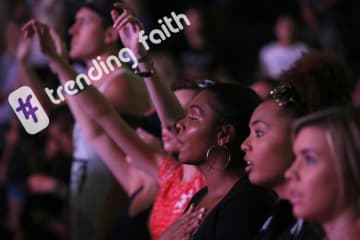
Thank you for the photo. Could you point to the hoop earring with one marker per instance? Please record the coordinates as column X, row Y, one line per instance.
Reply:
column 208, row 152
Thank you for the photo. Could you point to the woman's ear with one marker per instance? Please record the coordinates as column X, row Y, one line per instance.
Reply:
column 226, row 134
column 111, row 35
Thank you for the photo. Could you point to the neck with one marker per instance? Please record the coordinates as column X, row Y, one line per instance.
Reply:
column 189, row 172
column 343, row 226
column 281, row 189
column 286, row 43
column 218, row 181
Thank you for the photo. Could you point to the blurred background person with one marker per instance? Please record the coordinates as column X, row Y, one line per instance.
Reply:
column 276, row 57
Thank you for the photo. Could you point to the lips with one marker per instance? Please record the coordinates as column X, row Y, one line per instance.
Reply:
column 295, row 197
column 165, row 138
column 73, row 42
column 249, row 166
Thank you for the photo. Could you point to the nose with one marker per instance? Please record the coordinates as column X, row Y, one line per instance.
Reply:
column 245, row 146
column 180, row 126
column 73, row 29
column 292, row 172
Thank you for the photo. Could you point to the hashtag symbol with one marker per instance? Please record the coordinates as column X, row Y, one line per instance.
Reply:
column 27, row 109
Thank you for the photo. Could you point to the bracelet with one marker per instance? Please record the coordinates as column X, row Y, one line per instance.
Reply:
column 144, row 74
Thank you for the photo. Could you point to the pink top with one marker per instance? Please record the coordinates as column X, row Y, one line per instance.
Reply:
column 173, row 196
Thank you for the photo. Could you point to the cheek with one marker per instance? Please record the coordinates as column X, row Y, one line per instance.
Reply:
column 269, row 171
column 171, row 146
column 197, row 142
column 87, row 37
column 271, row 161
column 320, row 198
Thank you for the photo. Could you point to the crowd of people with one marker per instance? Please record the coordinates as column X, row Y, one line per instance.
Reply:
column 215, row 135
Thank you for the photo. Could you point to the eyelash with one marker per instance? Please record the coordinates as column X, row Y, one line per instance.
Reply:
column 259, row 133
column 309, row 159
column 192, row 117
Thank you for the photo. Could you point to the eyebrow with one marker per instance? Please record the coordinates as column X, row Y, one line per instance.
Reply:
column 258, row 122
column 307, row 151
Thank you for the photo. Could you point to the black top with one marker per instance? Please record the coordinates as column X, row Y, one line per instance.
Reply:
column 239, row 215
column 282, row 225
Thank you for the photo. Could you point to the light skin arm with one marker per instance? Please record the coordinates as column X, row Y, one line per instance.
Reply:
column 164, row 100
column 28, row 76
column 110, row 130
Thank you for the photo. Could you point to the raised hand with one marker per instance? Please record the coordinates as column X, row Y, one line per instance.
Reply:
column 49, row 41
column 128, row 27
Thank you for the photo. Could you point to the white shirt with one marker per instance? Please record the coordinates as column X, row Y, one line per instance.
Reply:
column 276, row 58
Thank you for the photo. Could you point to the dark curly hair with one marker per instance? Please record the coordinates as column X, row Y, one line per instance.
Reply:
column 320, row 79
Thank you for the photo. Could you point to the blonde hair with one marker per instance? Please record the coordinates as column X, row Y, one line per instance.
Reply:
column 343, row 131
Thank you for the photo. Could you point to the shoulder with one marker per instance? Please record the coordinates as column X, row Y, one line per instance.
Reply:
column 268, row 48
column 127, row 92
column 120, row 78
column 240, row 214
column 243, row 192
column 247, row 205
column 168, row 169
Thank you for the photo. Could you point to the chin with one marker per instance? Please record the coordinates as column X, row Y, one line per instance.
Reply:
column 255, row 179
column 76, row 55
column 73, row 55
column 300, row 212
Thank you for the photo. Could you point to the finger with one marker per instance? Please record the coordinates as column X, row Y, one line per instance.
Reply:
column 130, row 19
column 28, row 29
column 143, row 134
column 123, row 6
column 39, row 29
column 122, row 24
column 196, row 215
column 114, row 14
column 28, row 24
column 190, row 209
column 121, row 18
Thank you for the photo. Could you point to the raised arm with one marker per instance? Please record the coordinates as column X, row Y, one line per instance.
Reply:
column 28, row 76
column 98, row 119
column 164, row 100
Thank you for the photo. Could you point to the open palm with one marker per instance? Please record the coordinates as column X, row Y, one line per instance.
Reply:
column 128, row 27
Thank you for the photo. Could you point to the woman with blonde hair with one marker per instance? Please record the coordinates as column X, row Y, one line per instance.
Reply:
column 325, row 177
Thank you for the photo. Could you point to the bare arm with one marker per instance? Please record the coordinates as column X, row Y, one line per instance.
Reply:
column 164, row 100
column 28, row 76
column 106, row 129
